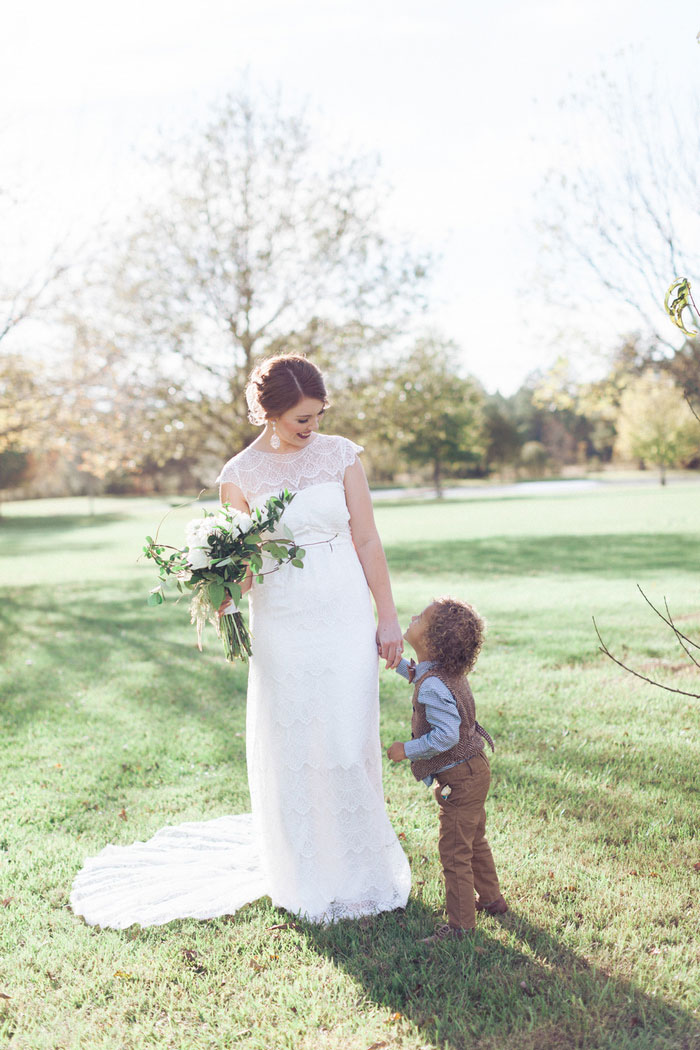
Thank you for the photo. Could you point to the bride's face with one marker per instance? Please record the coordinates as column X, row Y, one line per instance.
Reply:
column 296, row 426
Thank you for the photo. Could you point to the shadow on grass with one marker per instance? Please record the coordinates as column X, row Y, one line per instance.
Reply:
column 93, row 641
column 611, row 554
column 530, row 991
column 18, row 534
column 477, row 993
column 90, row 638
column 23, row 524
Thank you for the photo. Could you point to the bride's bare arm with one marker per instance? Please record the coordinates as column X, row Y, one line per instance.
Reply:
column 231, row 494
column 373, row 560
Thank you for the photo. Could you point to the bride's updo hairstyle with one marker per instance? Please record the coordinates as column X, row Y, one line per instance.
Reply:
column 280, row 383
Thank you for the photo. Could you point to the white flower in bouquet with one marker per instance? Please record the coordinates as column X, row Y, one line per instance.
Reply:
column 238, row 518
column 197, row 533
column 197, row 557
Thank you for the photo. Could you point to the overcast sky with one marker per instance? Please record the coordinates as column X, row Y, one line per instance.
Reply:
column 460, row 99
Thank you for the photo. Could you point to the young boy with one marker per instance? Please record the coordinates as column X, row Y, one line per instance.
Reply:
column 448, row 747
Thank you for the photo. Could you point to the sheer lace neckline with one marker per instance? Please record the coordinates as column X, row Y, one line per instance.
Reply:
column 267, row 452
column 257, row 473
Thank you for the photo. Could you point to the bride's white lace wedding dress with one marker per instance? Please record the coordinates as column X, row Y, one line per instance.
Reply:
column 318, row 841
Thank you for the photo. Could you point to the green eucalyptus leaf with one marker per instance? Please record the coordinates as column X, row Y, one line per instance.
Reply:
column 217, row 594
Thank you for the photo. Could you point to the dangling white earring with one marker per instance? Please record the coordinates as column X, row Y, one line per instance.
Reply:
column 274, row 440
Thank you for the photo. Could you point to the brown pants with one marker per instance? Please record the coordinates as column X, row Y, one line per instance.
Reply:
column 464, row 852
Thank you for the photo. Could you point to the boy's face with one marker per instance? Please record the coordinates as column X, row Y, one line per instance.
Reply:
column 416, row 630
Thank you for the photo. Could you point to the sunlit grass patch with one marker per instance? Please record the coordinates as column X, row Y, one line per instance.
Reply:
column 112, row 725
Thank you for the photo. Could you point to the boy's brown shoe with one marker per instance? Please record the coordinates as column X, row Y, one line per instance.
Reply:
column 445, row 933
column 497, row 907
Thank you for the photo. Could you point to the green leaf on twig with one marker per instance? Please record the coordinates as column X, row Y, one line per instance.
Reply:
column 675, row 307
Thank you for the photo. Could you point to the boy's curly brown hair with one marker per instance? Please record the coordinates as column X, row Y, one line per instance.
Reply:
column 454, row 635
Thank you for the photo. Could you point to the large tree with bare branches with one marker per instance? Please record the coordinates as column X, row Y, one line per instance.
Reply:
column 620, row 212
column 257, row 243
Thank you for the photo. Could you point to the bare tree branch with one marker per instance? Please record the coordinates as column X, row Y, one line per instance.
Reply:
column 604, row 649
column 680, row 637
column 690, row 406
column 669, row 621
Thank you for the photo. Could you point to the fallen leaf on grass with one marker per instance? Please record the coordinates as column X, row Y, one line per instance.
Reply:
column 4, row 996
column 282, row 926
column 377, row 1046
column 6, row 903
column 393, row 1018
column 123, row 815
column 191, row 956
column 402, row 835
column 124, row 975
column 697, row 865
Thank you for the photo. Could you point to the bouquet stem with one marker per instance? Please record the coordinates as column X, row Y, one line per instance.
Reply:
column 235, row 637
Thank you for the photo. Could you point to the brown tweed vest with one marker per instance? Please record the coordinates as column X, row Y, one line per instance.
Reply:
column 471, row 735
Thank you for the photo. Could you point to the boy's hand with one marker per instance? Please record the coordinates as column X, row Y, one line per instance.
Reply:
column 396, row 752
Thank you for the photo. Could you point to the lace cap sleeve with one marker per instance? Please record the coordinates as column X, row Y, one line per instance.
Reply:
column 349, row 451
column 230, row 473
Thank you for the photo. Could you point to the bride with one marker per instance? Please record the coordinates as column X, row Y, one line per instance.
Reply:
column 318, row 841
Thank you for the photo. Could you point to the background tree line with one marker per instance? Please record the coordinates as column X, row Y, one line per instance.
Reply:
column 258, row 243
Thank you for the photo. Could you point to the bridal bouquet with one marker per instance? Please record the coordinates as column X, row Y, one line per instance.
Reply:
column 221, row 549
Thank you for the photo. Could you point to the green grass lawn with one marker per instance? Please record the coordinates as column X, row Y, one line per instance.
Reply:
column 112, row 725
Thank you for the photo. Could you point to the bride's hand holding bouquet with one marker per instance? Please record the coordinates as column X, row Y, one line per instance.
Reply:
column 224, row 553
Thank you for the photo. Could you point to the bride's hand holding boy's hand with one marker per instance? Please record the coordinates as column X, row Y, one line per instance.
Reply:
column 390, row 642
column 397, row 752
